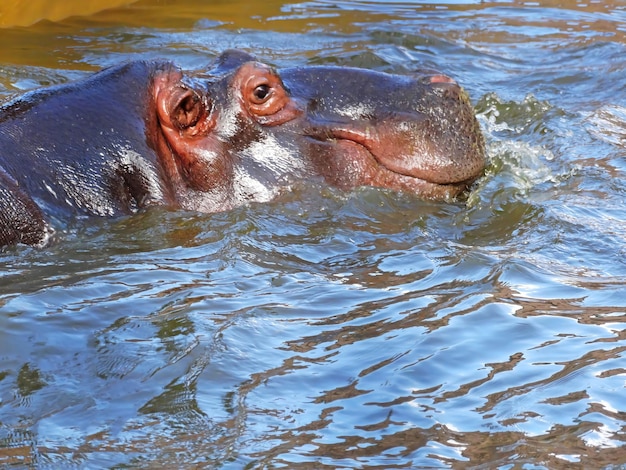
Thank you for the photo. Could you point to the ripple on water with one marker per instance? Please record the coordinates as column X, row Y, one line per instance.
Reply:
column 348, row 330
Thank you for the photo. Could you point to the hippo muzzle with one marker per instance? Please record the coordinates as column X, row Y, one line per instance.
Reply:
column 414, row 133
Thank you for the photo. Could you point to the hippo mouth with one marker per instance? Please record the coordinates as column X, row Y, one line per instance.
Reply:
column 364, row 157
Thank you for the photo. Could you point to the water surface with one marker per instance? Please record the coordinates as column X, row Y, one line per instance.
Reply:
column 341, row 330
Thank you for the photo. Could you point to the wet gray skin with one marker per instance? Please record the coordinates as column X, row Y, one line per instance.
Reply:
column 145, row 133
column 355, row 127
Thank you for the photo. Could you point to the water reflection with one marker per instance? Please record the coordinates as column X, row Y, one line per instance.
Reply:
column 341, row 330
column 354, row 357
column 14, row 14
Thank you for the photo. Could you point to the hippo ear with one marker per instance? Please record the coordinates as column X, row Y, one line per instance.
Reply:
column 185, row 110
column 230, row 60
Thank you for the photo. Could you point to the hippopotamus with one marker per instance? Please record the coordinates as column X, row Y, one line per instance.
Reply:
column 145, row 133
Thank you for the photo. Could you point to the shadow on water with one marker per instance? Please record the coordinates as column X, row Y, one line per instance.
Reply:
column 341, row 330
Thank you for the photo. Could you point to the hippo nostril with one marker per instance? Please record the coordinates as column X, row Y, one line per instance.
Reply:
column 441, row 79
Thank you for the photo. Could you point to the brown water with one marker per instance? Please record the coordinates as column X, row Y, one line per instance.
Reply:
column 334, row 330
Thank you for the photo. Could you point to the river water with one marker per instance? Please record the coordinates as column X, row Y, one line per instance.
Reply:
column 327, row 329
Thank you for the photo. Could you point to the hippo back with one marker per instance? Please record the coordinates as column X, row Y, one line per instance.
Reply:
column 78, row 149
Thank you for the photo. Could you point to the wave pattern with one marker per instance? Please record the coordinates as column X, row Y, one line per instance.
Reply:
column 359, row 330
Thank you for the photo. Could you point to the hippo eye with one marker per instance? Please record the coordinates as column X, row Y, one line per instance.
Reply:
column 261, row 93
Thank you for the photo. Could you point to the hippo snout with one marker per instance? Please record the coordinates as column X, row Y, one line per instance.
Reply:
column 419, row 131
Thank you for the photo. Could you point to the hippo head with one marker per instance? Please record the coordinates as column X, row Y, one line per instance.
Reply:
column 244, row 131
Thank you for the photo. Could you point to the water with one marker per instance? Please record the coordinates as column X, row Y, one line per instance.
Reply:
column 341, row 330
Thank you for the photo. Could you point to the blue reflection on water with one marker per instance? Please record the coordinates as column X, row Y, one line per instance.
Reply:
column 356, row 329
